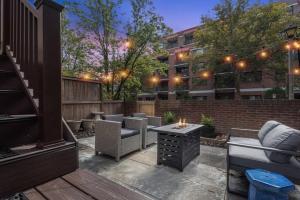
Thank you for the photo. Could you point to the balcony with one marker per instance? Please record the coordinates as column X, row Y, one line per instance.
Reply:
column 182, row 70
column 225, row 80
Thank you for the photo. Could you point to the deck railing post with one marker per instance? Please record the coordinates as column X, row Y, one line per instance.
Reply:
column 5, row 23
column 49, row 62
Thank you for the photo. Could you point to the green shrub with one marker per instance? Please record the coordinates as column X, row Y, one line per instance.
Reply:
column 208, row 130
column 169, row 117
column 207, row 121
column 277, row 93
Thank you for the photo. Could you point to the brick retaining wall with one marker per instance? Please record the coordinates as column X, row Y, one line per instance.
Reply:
column 231, row 113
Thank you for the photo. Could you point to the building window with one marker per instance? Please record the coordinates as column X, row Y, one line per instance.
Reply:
column 249, row 77
column 225, row 80
column 172, row 43
column 162, row 96
column 183, row 70
column 189, row 39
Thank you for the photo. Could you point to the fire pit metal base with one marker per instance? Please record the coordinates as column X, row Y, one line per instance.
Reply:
column 177, row 147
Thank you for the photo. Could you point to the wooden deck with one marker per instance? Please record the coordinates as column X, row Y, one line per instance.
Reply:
column 82, row 185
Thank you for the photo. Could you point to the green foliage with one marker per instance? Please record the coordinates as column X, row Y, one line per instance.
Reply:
column 277, row 93
column 102, row 25
column 169, row 117
column 75, row 49
column 239, row 29
column 207, row 121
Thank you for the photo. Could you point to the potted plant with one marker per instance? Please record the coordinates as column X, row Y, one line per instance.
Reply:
column 169, row 117
column 209, row 129
column 74, row 125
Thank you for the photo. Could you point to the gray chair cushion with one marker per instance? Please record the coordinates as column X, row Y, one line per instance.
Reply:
column 281, row 137
column 126, row 133
column 150, row 127
column 247, row 158
column 139, row 115
column 266, row 128
column 115, row 118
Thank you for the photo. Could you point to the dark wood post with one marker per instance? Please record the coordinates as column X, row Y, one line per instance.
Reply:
column 5, row 19
column 49, row 61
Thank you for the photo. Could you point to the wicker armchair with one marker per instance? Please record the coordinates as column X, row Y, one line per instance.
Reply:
column 113, row 140
column 149, row 136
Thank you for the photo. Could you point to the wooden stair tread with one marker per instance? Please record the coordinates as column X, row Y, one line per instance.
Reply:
column 6, row 72
column 10, row 91
column 16, row 118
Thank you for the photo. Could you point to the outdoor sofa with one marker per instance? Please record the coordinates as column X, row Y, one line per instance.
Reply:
column 117, row 135
column 275, row 150
column 149, row 136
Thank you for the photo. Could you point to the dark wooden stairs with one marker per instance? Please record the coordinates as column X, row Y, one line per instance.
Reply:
column 36, row 145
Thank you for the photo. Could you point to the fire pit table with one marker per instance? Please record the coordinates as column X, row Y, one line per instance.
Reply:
column 177, row 146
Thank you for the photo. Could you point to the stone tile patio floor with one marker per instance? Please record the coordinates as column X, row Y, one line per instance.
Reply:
column 204, row 178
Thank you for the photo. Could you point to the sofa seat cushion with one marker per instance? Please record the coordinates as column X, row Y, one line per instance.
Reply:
column 142, row 115
column 126, row 133
column 248, row 158
column 149, row 127
column 284, row 138
column 266, row 128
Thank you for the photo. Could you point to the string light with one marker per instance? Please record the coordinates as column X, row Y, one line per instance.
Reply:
column 123, row 73
column 228, row 59
column 86, row 76
column 263, row 54
column 107, row 78
column 296, row 44
column 128, row 44
column 154, row 80
column 177, row 79
column 241, row 64
column 296, row 71
column 288, row 46
column 205, row 74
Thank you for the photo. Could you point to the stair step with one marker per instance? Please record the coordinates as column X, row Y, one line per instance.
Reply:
column 16, row 118
column 7, row 72
column 10, row 91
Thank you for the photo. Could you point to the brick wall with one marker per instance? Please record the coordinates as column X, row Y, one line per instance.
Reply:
column 228, row 114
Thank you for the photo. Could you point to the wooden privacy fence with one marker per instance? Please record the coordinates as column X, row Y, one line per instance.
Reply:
column 80, row 98
column 147, row 107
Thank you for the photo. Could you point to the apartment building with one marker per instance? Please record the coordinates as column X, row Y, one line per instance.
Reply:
column 183, row 80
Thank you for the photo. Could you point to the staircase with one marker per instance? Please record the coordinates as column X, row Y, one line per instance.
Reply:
column 35, row 143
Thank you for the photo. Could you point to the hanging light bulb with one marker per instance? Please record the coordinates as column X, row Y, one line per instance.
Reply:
column 296, row 44
column 228, row 59
column 154, row 80
column 177, row 79
column 263, row 54
column 123, row 73
column 107, row 78
column 128, row 44
column 241, row 64
column 288, row 46
column 205, row 74
column 296, row 71
column 86, row 76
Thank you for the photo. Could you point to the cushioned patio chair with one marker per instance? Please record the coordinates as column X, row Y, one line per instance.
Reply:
column 149, row 136
column 276, row 150
column 117, row 135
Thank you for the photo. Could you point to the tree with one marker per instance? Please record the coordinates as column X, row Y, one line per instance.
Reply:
column 74, row 48
column 241, row 30
column 121, row 66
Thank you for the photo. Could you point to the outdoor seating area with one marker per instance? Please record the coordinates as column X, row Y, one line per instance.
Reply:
column 128, row 100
